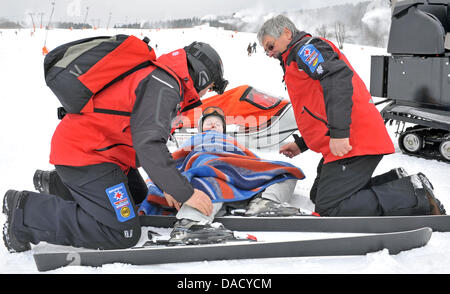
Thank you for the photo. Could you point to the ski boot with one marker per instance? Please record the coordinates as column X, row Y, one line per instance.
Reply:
column 437, row 208
column 425, row 181
column 189, row 232
column 264, row 207
column 13, row 201
column 49, row 182
column 42, row 180
column 401, row 172
column 420, row 181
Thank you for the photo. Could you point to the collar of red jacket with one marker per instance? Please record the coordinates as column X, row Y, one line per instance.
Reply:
column 295, row 39
column 176, row 61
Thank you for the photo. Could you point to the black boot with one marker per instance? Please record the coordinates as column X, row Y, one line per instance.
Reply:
column 41, row 180
column 420, row 181
column 49, row 182
column 437, row 208
column 425, row 181
column 12, row 202
column 401, row 172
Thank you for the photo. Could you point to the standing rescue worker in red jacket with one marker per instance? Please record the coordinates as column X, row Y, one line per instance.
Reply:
column 336, row 117
column 90, row 199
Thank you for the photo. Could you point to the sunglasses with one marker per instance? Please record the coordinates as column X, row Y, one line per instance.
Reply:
column 269, row 48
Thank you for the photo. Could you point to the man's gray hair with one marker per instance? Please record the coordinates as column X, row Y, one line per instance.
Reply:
column 274, row 27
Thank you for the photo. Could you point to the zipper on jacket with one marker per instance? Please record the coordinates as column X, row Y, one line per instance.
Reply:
column 315, row 116
column 112, row 146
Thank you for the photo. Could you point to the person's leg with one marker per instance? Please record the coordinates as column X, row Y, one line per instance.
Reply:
column 313, row 191
column 340, row 180
column 343, row 190
column 280, row 192
column 188, row 212
column 274, row 201
column 392, row 175
column 49, row 182
column 102, row 215
column 137, row 185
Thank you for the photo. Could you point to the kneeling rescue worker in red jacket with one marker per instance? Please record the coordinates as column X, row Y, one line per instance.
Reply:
column 336, row 117
column 89, row 200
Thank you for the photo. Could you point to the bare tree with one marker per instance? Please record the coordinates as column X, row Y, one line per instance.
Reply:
column 340, row 34
column 322, row 31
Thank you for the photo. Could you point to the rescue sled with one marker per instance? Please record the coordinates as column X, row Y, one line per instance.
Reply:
column 255, row 118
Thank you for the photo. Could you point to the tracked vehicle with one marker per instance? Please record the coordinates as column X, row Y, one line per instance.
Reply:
column 415, row 77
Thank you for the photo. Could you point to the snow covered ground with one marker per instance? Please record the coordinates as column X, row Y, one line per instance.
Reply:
column 28, row 119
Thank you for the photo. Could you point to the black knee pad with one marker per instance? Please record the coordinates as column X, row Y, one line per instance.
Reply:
column 127, row 235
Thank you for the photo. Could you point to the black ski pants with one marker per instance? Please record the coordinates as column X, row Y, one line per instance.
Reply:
column 346, row 188
column 100, row 214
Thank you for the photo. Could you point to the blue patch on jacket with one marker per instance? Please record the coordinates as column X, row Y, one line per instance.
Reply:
column 311, row 57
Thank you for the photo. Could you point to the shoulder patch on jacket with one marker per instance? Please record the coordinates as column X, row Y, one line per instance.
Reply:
column 311, row 57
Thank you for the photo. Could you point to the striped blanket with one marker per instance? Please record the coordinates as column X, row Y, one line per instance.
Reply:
column 222, row 168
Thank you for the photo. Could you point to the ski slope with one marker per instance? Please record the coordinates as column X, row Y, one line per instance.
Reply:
column 28, row 118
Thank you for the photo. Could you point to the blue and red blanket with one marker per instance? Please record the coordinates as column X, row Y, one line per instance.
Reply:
column 222, row 168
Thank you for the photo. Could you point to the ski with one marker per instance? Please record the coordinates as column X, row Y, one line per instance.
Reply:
column 159, row 254
column 376, row 224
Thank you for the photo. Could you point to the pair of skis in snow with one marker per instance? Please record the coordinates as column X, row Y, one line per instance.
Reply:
column 395, row 234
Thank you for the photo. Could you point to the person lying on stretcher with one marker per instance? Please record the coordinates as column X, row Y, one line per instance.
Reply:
column 231, row 175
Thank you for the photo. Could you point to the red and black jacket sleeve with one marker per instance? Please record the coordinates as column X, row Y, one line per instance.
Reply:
column 335, row 77
column 157, row 102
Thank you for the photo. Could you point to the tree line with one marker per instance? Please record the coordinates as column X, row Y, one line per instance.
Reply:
column 7, row 24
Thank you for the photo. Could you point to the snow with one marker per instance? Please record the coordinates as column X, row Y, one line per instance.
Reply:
column 28, row 116
column 378, row 18
column 378, row 13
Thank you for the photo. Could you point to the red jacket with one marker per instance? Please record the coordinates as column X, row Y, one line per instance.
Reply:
column 136, row 131
column 329, row 99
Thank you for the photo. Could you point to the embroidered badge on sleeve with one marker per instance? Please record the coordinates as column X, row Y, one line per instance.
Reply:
column 312, row 58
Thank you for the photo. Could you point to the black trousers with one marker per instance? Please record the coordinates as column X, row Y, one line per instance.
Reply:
column 346, row 188
column 97, row 211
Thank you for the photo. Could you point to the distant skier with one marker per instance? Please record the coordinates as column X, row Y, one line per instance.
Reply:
column 89, row 201
column 336, row 117
column 249, row 49
column 254, row 47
